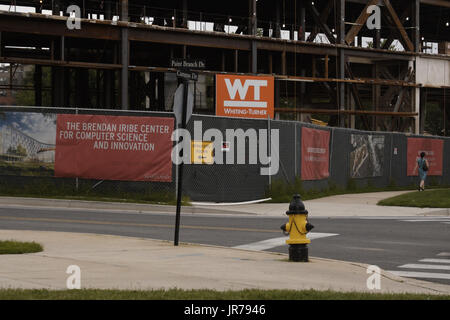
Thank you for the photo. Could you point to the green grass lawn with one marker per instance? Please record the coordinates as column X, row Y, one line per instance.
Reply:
column 437, row 198
column 177, row 294
column 15, row 247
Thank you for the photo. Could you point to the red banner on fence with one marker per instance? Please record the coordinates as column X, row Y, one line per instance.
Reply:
column 433, row 149
column 114, row 147
column 315, row 154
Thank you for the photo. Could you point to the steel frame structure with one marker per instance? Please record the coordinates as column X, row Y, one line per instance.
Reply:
column 371, row 88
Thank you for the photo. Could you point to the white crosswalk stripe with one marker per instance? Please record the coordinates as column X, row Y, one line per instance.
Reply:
column 436, row 260
column 436, row 219
column 281, row 241
column 424, row 275
column 444, row 254
column 426, row 220
column 426, row 264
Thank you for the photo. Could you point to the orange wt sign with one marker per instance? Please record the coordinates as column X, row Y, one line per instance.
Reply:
column 244, row 96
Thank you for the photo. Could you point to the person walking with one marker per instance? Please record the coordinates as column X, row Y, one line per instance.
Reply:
column 423, row 166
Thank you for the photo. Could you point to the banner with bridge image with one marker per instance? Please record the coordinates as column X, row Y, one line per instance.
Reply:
column 86, row 146
column 27, row 143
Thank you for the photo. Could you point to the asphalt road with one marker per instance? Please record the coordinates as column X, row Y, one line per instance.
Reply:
column 394, row 244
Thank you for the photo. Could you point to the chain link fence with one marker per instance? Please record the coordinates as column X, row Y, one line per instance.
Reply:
column 244, row 145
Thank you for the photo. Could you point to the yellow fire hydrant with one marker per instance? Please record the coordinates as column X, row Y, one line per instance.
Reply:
column 297, row 228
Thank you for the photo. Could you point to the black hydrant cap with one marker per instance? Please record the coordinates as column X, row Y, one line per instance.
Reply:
column 296, row 206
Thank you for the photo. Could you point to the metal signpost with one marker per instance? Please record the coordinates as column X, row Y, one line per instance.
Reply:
column 184, row 73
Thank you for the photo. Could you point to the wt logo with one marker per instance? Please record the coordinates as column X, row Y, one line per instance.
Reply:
column 244, row 96
column 74, row 280
column 374, row 21
column 243, row 89
column 374, row 281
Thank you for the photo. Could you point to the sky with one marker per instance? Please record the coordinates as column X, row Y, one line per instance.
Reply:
column 36, row 125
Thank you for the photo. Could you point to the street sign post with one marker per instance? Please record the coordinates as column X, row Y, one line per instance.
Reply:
column 184, row 73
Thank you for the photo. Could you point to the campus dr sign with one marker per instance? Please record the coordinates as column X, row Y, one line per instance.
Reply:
column 244, row 96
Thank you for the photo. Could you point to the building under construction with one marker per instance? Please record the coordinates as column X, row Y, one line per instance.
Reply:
column 329, row 65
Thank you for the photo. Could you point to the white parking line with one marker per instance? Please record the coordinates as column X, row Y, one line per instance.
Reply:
column 435, row 260
column 444, row 254
column 425, row 266
column 427, row 220
column 278, row 242
column 425, row 275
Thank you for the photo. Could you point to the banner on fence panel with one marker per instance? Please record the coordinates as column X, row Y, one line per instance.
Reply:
column 244, row 96
column 315, row 154
column 27, row 143
column 433, row 149
column 114, row 147
column 367, row 155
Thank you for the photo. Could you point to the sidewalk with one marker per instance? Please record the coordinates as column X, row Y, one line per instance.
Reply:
column 111, row 262
column 348, row 205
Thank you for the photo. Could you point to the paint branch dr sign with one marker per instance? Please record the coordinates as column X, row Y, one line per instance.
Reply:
column 244, row 96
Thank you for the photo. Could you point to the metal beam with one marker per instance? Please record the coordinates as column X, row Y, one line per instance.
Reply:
column 391, row 37
column 316, row 16
column 323, row 17
column 416, row 25
column 359, row 23
column 399, row 25
column 439, row 3
column 124, row 72
column 348, row 112
column 124, row 10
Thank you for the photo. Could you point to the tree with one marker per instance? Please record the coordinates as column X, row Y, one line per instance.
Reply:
column 18, row 151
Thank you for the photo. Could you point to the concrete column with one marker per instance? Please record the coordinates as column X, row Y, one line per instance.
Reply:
column 341, row 58
column 124, row 71
column 253, row 32
column 341, row 86
column 416, row 25
column 254, row 57
column 124, row 10
column 341, row 22
column 125, row 57
column 63, row 48
column 420, row 102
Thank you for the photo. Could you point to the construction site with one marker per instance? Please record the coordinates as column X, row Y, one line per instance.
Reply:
column 330, row 66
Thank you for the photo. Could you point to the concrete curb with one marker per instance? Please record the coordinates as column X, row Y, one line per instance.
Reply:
column 113, row 206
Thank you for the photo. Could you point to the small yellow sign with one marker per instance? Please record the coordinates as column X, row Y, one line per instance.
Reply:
column 202, row 152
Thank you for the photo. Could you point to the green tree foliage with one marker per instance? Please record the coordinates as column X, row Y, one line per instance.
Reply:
column 18, row 151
